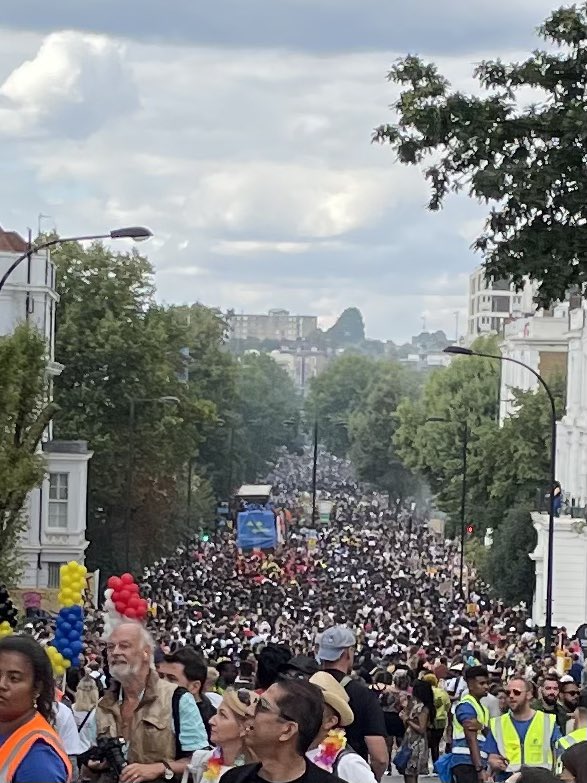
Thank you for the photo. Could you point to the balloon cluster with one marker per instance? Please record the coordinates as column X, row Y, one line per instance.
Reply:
column 72, row 584
column 58, row 662
column 8, row 613
column 69, row 633
column 69, row 630
column 123, row 599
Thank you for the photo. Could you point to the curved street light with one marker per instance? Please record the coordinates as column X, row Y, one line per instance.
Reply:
column 459, row 350
column 138, row 233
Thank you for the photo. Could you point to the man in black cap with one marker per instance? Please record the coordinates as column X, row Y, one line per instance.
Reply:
column 300, row 667
column 366, row 734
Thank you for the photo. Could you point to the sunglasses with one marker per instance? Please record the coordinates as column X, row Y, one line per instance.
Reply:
column 263, row 705
column 571, row 693
column 513, row 692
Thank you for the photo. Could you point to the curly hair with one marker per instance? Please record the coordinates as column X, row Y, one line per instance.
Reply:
column 42, row 671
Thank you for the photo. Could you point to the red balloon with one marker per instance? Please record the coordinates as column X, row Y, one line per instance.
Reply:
column 116, row 596
column 124, row 595
column 143, row 604
column 134, row 601
column 120, row 607
column 133, row 588
column 114, row 583
column 127, row 579
column 130, row 613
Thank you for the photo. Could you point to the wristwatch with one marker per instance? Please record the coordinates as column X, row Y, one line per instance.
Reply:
column 169, row 774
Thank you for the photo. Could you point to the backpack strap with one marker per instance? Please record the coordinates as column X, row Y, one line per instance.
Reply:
column 343, row 752
column 85, row 720
column 176, row 698
column 345, row 681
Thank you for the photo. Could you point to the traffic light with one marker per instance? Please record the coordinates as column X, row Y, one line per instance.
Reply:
column 470, row 530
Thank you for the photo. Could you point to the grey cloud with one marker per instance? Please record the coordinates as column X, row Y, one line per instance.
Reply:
column 449, row 27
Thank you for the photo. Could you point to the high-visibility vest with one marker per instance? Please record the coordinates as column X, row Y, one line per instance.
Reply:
column 536, row 751
column 18, row 744
column 579, row 735
column 460, row 746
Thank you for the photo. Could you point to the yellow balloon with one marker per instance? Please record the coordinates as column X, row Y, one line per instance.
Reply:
column 68, row 602
column 83, row 570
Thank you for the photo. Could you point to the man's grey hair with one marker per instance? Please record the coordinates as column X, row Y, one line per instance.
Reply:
column 145, row 635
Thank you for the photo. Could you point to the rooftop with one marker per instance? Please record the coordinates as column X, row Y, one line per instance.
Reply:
column 11, row 242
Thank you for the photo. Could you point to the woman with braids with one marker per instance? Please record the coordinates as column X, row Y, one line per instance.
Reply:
column 30, row 749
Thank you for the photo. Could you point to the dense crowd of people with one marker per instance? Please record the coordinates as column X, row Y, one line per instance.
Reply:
column 347, row 648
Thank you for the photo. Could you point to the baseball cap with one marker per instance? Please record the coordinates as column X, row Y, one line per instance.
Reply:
column 334, row 641
column 300, row 663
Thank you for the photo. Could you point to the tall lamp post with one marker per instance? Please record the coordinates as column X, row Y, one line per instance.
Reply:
column 461, row 351
column 138, row 233
column 463, row 494
column 133, row 402
column 314, row 470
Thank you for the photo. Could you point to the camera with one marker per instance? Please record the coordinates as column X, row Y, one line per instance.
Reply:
column 110, row 750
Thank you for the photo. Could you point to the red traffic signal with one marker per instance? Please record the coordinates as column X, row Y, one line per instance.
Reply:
column 470, row 530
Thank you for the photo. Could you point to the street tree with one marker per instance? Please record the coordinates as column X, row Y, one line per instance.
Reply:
column 372, row 427
column 338, row 391
column 24, row 416
column 527, row 160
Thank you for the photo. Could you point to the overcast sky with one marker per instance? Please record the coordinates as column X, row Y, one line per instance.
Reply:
column 239, row 131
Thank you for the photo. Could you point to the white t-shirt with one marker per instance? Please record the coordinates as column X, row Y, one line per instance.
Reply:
column 352, row 767
column 67, row 730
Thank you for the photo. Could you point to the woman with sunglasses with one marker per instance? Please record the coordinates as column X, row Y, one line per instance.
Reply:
column 227, row 732
column 30, row 749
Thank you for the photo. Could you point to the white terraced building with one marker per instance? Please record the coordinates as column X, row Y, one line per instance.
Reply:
column 56, row 530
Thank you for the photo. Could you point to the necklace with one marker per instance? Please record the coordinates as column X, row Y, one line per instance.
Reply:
column 214, row 765
column 329, row 748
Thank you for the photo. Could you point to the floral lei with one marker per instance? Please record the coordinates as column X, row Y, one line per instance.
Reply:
column 329, row 749
column 214, row 766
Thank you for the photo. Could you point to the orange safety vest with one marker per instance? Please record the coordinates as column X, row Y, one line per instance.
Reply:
column 18, row 744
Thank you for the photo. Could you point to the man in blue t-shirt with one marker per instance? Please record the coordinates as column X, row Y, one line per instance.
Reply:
column 519, row 695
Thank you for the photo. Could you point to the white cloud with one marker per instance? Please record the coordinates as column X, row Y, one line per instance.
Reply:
column 73, row 85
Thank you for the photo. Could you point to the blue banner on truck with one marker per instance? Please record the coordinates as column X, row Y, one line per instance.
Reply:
column 256, row 529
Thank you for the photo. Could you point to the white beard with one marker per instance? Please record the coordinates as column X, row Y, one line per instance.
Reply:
column 122, row 672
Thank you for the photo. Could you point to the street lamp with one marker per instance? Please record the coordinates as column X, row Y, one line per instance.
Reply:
column 459, row 350
column 463, row 493
column 138, row 233
column 165, row 400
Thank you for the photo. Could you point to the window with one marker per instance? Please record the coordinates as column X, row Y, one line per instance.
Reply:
column 54, row 571
column 58, row 496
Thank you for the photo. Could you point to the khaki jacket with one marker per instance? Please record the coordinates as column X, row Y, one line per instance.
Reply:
column 151, row 736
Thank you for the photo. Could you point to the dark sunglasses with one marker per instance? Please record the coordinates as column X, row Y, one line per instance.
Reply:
column 263, row 705
column 514, row 692
column 571, row 693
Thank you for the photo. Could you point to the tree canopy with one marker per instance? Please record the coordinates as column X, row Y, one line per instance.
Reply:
column 24, row 415
column 529, row 160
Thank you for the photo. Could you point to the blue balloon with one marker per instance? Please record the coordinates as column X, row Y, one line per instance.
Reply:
column 64, row 612
column 79, row 627
column 76, row 610
column 72, row 618
column 73, row 635
column 76, row 647
column 75, row 660
column 65, row 628
column 67, row 653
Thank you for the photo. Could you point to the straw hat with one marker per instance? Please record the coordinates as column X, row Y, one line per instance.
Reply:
column 335, row 696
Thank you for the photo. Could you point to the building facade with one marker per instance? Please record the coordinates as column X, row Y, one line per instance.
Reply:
column 571, row 451
column 301, row 366
column 539, row 341
column 56, row 511
column 276, row 325
column 492, row 303
column 569, row 593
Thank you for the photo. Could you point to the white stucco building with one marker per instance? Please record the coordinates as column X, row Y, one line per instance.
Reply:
column 539, row 341
column 493, row 303
column 56, row 510
column 571, row 452
column 569, row 594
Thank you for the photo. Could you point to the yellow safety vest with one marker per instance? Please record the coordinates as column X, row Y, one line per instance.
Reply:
column 579, row 735
column 536, row 751
column 460, row 746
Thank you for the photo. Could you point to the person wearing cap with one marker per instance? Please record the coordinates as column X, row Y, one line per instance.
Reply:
column 300, row 667
column 366, row 734
column 330, row 749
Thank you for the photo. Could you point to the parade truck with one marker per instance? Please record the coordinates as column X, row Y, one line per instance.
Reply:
column 257, row 524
